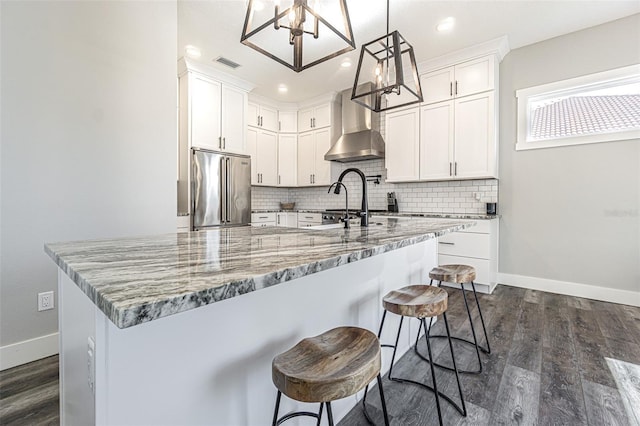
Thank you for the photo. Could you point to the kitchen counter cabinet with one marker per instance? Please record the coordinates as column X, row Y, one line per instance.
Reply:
column 185, row 325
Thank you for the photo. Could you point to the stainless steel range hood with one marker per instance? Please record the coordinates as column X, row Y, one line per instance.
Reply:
column 361, row 138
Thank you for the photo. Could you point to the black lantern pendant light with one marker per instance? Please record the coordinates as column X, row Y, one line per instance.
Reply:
column 380, row 82
column 299, row 19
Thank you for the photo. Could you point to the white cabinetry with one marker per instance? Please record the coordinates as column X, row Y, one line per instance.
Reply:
column 288, row 121
column 212, row 114
column 315, row 117
column 263, row 148
column 288, row 219
column 306, row 220
column 463, row 79
column 476, row 246
column 263, row 219
column 457, row 139
column 287, row 159
column 313, row 169
column 456, row 127
column 403, row 145
column 263, row 116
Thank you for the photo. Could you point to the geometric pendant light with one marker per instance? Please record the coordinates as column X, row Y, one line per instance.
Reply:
column 299, row 33
column 381, row 82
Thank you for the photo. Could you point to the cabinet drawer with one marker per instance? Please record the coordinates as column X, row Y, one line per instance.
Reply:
column 464, row 244
column 310, row 217
column 481, row 265
column 263, row 217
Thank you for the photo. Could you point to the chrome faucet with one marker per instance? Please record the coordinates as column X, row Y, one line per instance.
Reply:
column 346, row 202
column 364, row 214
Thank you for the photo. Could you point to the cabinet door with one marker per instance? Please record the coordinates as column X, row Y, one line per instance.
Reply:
column 402, row 157
column 267, row 153
column 322, row 173
column 205, row 113
column 269, row 118
column 436, row 141
column 234, row 103
column 253, row 114
column 306, row 158
column 475, row 141
column 252, row 150
column 287, row 160
column 474, row 76
column 305, row 119
column 288, row 121
column 437, row 85
column 322, row 116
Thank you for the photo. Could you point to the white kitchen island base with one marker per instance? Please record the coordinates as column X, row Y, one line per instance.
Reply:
column 212, row 365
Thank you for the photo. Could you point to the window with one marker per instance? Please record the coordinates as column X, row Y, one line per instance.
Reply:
column 600, row 107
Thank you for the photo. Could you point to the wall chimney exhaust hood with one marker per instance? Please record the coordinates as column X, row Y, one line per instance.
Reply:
column 361, row 138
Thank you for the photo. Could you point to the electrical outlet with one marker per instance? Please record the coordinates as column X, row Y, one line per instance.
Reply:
column 45, row 301
column 477, row 196
column 91, row 364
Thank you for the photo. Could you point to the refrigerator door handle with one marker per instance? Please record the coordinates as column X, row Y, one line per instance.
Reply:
column 223, row 197
column 228, row 180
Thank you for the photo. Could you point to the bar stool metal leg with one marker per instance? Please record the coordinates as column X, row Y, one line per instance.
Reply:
column 283, row 419
column 484, row 329
column 382, row 399
column 462, row 410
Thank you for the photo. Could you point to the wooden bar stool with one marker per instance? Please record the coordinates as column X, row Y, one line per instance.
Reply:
column 459, row 274
column 324, row 368
column 421, row 301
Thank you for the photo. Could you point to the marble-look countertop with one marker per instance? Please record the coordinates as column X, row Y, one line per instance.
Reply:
column 140, row 279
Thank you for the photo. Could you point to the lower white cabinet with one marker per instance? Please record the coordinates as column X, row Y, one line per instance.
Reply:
column 263, row 219
column 309, row 219
column 476, row 246
column 287, row 219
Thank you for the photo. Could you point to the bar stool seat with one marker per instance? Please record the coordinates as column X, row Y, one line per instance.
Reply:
column 421, row 301
column 453, row 273
column 327, row 367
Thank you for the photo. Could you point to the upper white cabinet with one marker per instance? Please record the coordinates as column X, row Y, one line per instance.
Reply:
column 467, row 78
column 263, row 148
column 457, row 139
column 402, row 145
column 287, row 159
column 212, row 114
column 313, row 169
column 452, row 135
column 315, row 117
column 262, row 116
column 288, row 121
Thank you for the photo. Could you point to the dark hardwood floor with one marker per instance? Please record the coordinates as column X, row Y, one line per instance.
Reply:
column 29, row 394
column 556, row 360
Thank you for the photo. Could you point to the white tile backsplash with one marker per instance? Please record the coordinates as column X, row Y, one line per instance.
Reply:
column 416, row 197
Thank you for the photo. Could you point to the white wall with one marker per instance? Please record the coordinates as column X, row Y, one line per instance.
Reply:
column 88, row 142
column 570, row 214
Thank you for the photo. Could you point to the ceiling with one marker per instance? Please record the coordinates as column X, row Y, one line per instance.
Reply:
column 215, row 26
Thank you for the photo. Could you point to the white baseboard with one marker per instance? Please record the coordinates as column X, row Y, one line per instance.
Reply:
column 28, row 351
column 586, row 291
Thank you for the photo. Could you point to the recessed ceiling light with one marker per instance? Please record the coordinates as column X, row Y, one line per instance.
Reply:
column 192, row 51
column 283, row 89
column 445, row 24
column 346, row 63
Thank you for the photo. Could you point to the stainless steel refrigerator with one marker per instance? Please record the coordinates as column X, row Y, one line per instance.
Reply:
column 221, row 189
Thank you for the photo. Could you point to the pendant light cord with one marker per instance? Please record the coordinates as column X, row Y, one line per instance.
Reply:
column 388, row 50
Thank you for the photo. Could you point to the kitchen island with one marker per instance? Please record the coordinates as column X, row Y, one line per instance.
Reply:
column 182, row 328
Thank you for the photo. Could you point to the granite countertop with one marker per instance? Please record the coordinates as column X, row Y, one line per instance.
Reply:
column 136, row 280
